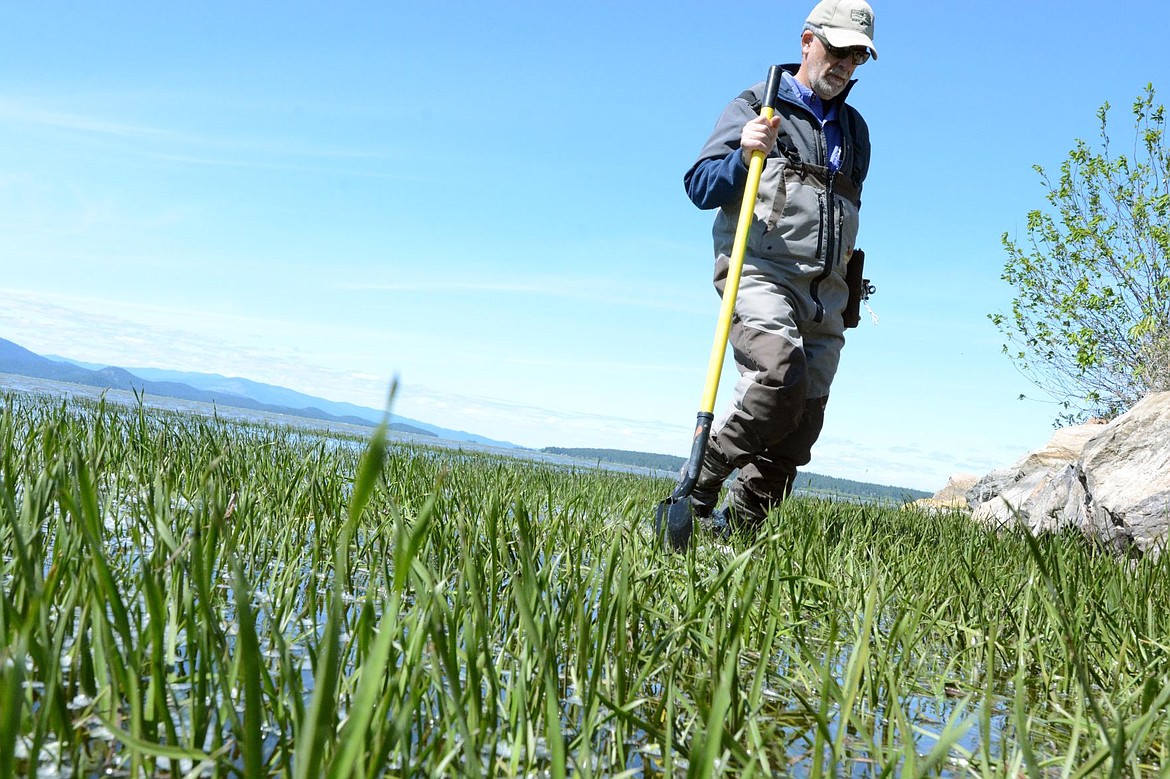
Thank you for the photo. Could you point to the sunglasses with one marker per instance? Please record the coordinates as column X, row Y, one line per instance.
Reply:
column 858, row 54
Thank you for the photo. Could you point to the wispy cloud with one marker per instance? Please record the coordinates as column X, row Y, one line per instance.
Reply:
column 24, row 113
column 560, row 288
column 162, row 142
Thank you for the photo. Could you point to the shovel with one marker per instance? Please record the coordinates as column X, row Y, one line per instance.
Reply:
column 674, row 521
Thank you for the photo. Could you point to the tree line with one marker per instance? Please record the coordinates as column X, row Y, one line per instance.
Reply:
column 807, row 483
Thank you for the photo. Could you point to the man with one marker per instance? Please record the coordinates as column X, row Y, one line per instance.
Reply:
column 787, row 330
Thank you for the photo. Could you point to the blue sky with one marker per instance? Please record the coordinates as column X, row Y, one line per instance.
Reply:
column 485, row 199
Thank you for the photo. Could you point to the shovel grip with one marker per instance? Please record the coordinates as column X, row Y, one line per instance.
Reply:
column 775, row 76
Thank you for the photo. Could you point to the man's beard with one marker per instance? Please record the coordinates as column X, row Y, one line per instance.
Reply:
column 827, row 89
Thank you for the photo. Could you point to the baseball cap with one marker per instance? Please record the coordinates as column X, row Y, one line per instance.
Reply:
column 845, row 23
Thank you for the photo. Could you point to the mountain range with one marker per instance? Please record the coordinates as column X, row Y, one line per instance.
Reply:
column 213, row 388
column 231, row 392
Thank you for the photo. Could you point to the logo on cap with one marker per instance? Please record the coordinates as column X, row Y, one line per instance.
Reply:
column 862, row 16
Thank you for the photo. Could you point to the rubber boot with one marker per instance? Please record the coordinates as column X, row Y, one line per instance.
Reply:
column 714, row 472
column 739, row 514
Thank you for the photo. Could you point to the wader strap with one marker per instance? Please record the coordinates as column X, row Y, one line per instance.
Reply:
column 783, row 141
column 847, row 188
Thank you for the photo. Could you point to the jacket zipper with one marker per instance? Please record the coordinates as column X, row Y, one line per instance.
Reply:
column 831, row 251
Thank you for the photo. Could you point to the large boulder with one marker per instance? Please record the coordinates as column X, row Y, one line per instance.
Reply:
column 1110, row 481
column 1126, row 475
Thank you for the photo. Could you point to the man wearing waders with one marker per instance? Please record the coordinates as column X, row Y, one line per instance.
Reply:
column 788, row 327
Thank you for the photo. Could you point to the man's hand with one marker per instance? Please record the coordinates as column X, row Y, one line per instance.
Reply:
column 758, row 135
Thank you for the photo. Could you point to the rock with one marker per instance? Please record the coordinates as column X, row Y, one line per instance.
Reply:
column 1063, row 448
column 1126, row 475
column 957, row 486
column 1043, row 500
column 1065, row 445
column 1111, row 481
column 992, row 485
column 952, row 496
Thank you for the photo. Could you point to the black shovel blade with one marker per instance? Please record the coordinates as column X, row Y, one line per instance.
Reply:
column 674, row 523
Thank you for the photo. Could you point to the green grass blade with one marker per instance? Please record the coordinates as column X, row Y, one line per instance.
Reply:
column 12, row 661
column 248, row 652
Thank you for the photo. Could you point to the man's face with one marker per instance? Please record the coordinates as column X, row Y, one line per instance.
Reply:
column 827, row 75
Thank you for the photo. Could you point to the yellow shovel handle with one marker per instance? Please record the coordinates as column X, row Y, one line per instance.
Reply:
column 739, row 248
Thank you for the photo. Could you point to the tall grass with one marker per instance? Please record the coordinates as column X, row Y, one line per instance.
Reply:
column 183, row 596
